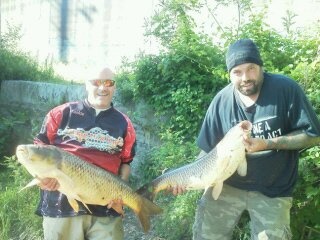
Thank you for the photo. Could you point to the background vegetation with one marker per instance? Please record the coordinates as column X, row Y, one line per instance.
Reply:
column 179, row 84
column 19, row 65
column 16, row 223
column 181, row 81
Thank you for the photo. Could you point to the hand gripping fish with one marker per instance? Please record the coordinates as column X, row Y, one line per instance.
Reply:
column 82, row 181
column 210, row 170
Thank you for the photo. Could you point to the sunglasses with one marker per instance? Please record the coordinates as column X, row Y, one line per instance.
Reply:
column 105, row 83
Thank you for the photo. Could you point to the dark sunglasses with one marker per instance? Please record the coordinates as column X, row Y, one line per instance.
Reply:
column 105, row 83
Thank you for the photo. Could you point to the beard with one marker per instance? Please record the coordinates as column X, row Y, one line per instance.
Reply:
column 250, row 88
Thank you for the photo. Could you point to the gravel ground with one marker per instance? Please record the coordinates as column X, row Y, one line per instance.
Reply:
column 133, row 230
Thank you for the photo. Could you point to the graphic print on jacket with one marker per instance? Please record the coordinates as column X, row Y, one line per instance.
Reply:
column 106, row 139
column 93, row 138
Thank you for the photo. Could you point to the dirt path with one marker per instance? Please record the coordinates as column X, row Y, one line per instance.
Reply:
column 133, row 230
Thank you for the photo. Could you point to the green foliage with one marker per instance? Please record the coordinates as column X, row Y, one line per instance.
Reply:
column 125, row 81
column 19, row 65
column 17, row 220
column 308, row 76
column 242, row 229
column 306, row 209
column 180, row 82
column 174, row 94
column 172, row 21
column 180, row 210
column 288, row 21
column 170, row 155
column 279, row 53
column 12, row 125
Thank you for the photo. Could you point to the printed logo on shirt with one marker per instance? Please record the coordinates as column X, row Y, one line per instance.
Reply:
column 93, row 138
column 78, row 112
column 267, row 128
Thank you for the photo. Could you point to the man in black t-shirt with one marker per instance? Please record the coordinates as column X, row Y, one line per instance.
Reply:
column 283, row 121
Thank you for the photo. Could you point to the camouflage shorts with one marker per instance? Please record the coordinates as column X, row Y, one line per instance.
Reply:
column 216, row 219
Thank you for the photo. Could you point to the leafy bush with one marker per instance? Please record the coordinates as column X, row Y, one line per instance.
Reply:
column 170, row 155
column 180, row 82
column 308, row 75
column 306, row 205
column 19, row 65
column 180, row 210
column 13, row 128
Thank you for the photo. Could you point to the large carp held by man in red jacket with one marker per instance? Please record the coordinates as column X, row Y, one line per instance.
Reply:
column 82, row 181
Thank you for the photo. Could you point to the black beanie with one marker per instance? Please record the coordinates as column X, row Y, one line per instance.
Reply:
column 243, row 51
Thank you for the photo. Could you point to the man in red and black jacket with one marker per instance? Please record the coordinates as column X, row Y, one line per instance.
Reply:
column 100, row 134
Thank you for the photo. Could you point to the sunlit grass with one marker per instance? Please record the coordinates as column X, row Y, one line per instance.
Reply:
column 17, row 218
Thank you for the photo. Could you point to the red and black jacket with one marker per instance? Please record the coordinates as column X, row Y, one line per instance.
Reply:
column 107, row 140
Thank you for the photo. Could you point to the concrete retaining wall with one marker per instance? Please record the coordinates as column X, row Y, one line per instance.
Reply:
column 39, row 93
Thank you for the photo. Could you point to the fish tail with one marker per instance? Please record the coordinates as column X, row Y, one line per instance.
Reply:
column 147, row 209
column 34, row 182
column 146, row 191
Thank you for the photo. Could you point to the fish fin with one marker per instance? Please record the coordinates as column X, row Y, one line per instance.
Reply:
column 86, row 206
column 58, row 174
column 206, row 189
column 217, row 190
column 164, row 170
column 75, row 205
column 146, row 209
column 34, row 182
column 242, row 168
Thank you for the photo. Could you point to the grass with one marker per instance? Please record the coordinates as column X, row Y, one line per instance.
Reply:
column 17, row 218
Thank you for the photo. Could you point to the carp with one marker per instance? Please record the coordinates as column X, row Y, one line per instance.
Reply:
column 209, row 170
column 82, row 181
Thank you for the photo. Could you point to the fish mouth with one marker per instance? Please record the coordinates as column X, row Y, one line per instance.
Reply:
column 246, row 126
column 22, row 152
column 21, row 149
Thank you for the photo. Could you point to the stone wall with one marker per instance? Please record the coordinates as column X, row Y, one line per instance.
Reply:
column 43, row 95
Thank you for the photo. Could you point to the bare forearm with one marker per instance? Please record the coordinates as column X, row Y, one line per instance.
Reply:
column 124, row 172
column 292, row 141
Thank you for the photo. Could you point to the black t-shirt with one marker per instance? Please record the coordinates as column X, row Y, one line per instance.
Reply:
column 281, row 108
